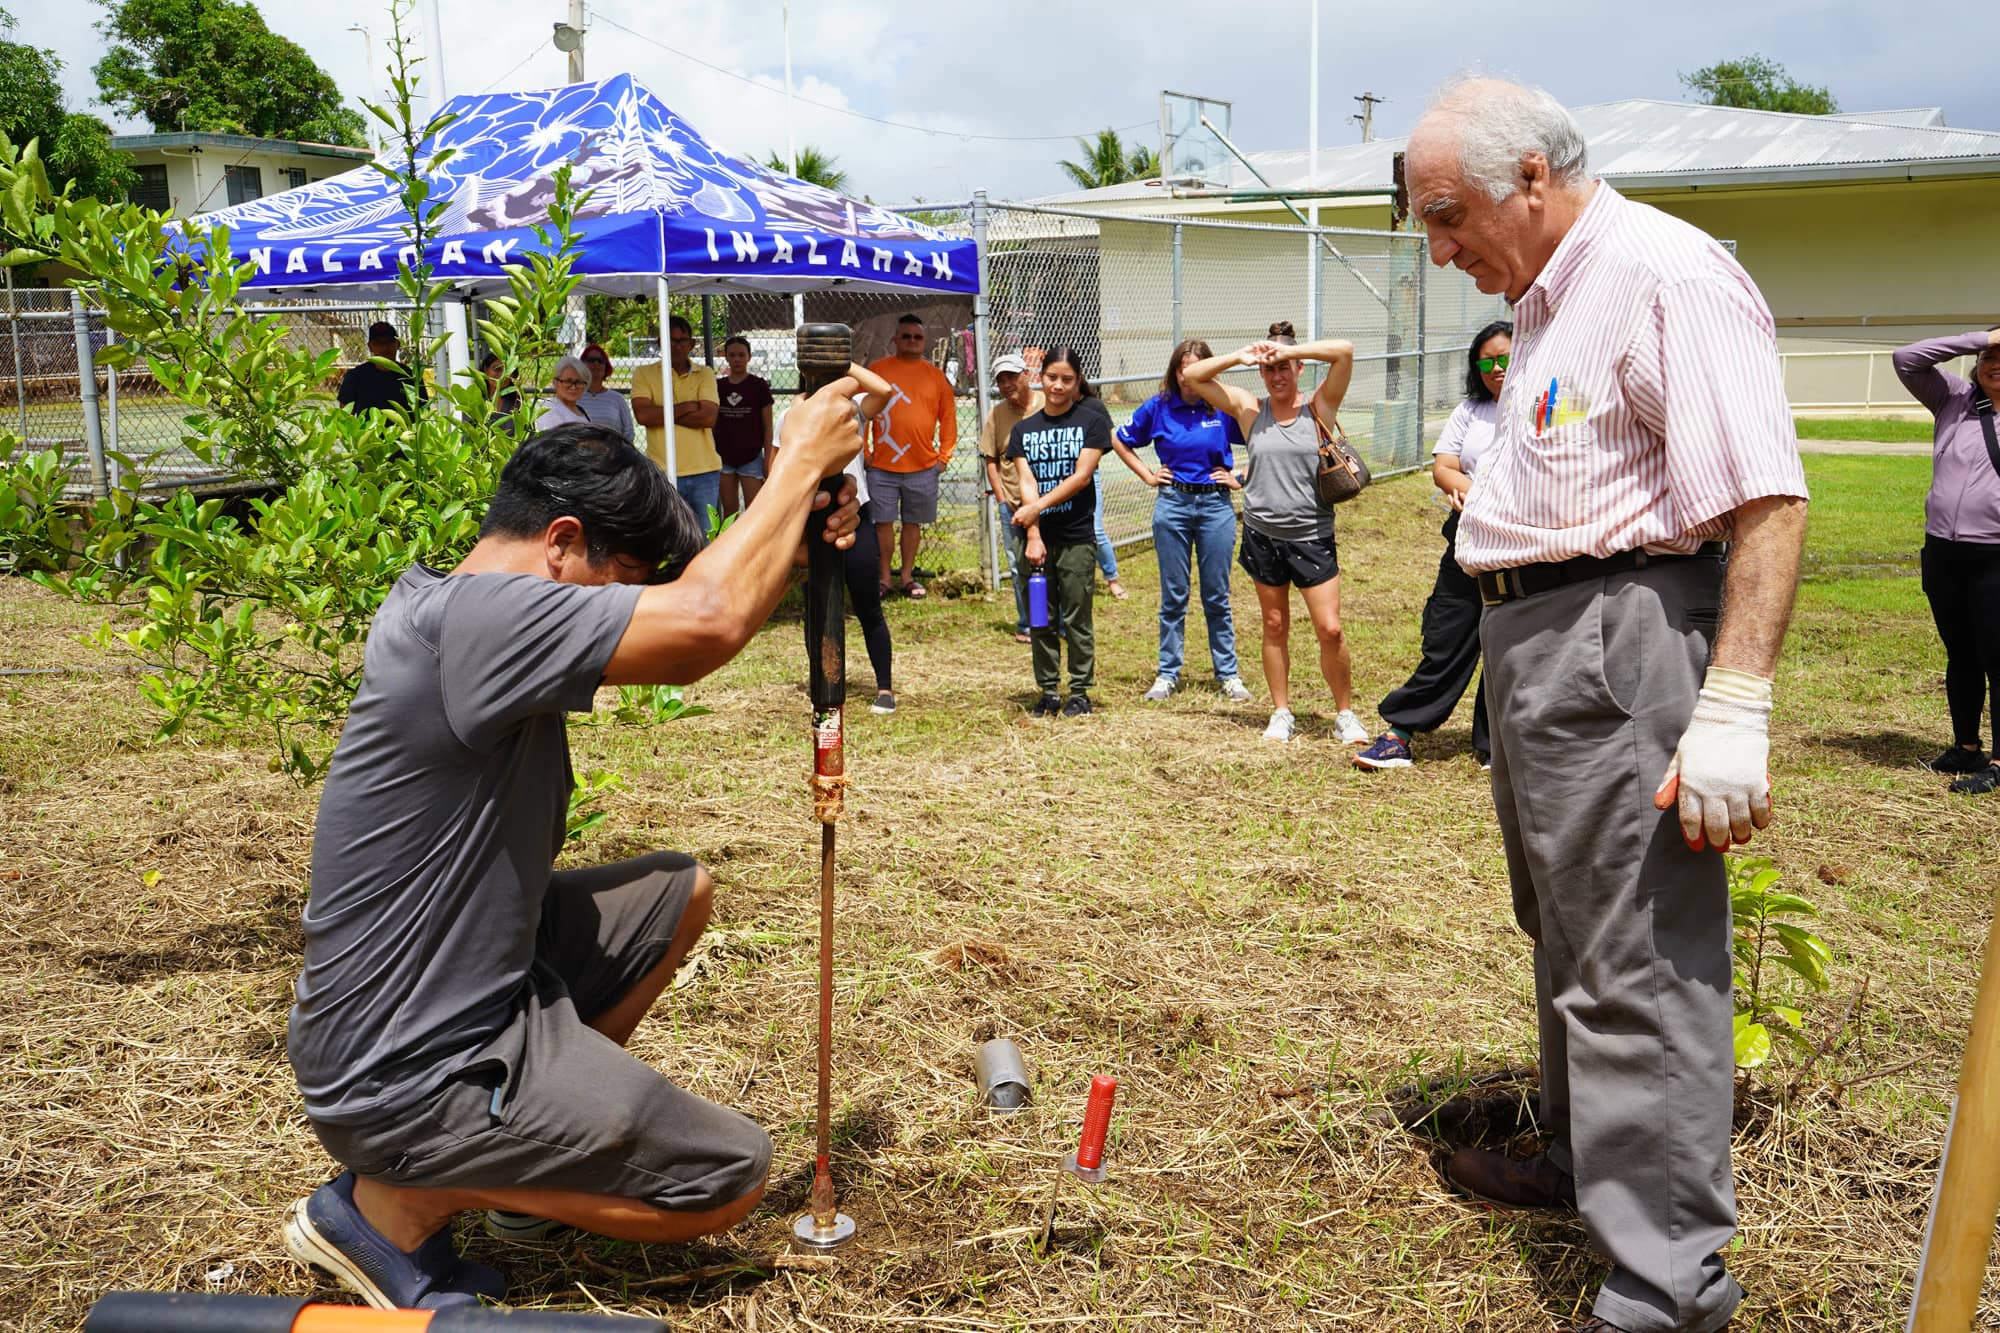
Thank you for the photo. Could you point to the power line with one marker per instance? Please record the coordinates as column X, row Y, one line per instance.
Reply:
column 539, row 47
column 600, row 16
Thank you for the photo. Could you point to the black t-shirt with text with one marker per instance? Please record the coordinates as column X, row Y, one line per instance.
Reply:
column 1052, row 444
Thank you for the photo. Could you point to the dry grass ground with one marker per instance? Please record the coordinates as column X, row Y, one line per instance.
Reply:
column 1258, row 941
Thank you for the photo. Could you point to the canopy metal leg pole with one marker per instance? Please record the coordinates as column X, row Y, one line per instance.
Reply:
column 667, row 382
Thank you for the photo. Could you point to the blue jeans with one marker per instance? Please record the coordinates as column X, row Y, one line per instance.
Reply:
column 1203, row 525
column 1107, row 555
column 1016, row 541
column 703, row 492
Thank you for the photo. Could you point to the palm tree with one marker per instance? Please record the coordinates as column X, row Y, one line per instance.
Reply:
column 814, row 167
column 1108, row 162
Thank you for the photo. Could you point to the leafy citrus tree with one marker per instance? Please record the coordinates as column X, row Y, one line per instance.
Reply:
column 258, row 617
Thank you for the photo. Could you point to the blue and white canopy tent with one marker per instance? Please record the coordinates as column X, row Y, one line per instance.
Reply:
column 665, row 210
column 663, row 203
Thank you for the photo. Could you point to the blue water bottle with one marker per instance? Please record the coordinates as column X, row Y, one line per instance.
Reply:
column 1038, row 599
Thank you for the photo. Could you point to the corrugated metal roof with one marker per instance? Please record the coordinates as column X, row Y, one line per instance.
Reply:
column 1649, row 139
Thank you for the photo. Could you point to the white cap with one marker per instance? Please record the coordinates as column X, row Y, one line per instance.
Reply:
column 1010, row 363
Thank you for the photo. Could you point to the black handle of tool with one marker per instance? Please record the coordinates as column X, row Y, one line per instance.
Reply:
column 824, row 353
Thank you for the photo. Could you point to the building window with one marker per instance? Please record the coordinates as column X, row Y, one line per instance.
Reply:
column 245, row 184
column 294, row 177
column 151, row 190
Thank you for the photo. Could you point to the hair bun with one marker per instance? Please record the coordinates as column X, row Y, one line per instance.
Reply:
column 1281, row 328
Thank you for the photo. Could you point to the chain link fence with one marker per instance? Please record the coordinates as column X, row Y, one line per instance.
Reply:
column 1120, row 290
column 55, row 394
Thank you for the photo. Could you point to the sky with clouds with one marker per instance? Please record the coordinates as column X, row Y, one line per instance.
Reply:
column 1000, row 100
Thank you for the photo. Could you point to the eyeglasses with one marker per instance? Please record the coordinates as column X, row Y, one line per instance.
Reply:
column 1488, row 364
column 595, row 361
column 909, row 337
column 570, row 382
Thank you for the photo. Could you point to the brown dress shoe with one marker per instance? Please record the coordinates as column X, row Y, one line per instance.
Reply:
column 1498, row 1179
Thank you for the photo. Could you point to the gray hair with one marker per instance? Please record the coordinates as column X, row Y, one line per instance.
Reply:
column 571, row 363
column 1500, row 122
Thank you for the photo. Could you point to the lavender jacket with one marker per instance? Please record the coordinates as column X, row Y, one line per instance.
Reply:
column 1964, row 503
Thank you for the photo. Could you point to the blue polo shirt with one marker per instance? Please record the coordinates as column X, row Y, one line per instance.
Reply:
column 1193, row 439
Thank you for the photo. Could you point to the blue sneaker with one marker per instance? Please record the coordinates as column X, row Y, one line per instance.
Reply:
column 326, row 1231
column 1388, row 751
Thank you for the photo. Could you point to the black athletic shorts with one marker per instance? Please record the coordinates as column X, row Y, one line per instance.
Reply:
column 1274, row 562
column 550, row 1103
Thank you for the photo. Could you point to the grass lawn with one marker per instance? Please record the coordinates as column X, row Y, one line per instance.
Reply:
column 1256, row 940
column 1884, row 430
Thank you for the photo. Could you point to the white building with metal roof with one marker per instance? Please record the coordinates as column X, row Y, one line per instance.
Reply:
column 1870, row 228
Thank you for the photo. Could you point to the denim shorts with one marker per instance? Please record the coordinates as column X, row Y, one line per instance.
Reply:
column 754, row 468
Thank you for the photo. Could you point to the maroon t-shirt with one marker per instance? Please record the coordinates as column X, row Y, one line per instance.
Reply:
column 739, row 418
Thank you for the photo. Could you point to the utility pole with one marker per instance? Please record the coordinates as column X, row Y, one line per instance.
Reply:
column 576, row 55
column 368, row 70
column 1367, row 116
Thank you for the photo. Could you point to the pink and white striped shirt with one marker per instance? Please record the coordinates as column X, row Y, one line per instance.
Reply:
column 1670, row 409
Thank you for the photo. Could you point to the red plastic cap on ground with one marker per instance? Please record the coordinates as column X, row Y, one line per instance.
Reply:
column 1096, row 1122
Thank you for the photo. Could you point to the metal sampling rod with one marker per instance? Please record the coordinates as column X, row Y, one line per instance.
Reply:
column 824, row 353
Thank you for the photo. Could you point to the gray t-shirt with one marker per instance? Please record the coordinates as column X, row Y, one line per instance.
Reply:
column 1281, row 492
column 440, row 822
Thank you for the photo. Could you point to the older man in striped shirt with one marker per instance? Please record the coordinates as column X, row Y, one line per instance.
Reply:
column 1644, row 432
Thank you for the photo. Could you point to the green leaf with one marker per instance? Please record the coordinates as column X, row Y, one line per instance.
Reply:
column 1752, row 1042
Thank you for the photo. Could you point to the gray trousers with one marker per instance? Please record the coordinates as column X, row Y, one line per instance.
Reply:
column 1589, row 688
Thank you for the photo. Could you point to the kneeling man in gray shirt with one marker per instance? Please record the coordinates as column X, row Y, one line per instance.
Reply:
column 461, row 1016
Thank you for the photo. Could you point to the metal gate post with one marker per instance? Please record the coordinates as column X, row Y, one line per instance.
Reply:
column 1423, row 277
column 1177, row 284
column 86, row 373
column 982, row 380
column 20, row 380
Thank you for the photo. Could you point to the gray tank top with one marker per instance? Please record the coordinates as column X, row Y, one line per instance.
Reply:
column 1281, row 493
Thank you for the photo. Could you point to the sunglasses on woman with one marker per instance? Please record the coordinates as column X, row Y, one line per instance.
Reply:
column 1488, row 364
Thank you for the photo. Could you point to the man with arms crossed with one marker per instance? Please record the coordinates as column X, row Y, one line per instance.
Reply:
column 1643, row 423
column 697, row 467
column 461, row 1017
column 911, row 446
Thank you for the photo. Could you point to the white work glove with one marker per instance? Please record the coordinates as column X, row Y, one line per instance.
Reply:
column 1720, row 770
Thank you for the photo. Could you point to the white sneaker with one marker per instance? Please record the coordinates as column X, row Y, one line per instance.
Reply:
column 1281, row 727
column 1235, row 690
column 1162, row 687
column 1348, row 728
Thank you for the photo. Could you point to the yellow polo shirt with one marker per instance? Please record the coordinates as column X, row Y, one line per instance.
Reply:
column 694, row 447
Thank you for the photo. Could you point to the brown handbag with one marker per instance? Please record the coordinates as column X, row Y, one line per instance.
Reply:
column 1342, row 472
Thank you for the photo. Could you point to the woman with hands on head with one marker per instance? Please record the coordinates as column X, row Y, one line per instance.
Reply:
column 1961, row 557
column 1288, row 532
column 1451, row 614
column 1193, row 519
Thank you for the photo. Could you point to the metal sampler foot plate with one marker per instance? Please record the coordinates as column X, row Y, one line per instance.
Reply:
column 1089, row 1175
column 810, row 1236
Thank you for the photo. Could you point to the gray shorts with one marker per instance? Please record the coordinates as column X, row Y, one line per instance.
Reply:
column 753, row 469
column 908, row 497
column 551, row 1104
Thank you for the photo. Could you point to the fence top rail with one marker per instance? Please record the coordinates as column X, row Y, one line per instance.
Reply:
column 1205, row 224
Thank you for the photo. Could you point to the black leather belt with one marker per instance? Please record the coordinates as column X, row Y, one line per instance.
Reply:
column 1500, row 586
column 1195, row 487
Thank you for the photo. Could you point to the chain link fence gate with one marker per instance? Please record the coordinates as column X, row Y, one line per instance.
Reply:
column 56, row 395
